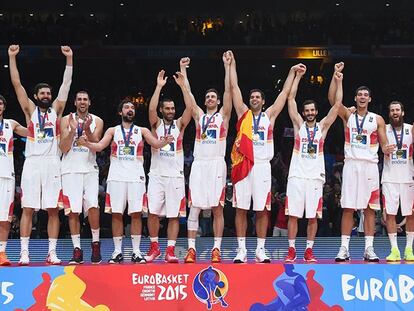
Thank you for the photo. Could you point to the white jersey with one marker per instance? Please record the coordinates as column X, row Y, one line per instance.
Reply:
column 127, row 164
column 6, row 150
column 210, row 140
column 308, row 160
column 79, row 159
column 363, row 146
column 263, row 149
column 43, row 142
column 398, row 166
column 169, row 160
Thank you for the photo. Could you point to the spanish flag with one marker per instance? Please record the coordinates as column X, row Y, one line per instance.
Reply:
column 242, row 152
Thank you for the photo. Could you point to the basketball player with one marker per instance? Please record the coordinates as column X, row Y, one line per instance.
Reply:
column 80, row 174
column 166, row 191
column 360, row 186
column 398, row 180
column 41, row 184
column 7, row 127
column 209, row 168
column 126, row 177
column 255, row 135
column 307, row 166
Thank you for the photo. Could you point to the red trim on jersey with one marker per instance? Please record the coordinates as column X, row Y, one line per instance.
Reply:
column 114, row 149
column 30, row 130
column 270, row 133
column 140, row 148
column 198, row 131
column 374, row 137
column 297, row 143
column 57, row 127
column 65, row 202
column 347, row 135
column 11, row 144
column 223, row 131
column 180, row 142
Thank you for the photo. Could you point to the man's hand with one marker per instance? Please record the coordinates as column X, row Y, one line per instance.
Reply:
column 161, row 80
column 388, row 149
column 179, row 79
column 339, row 67
column 227, row 58
column 13, row 50
column 184, row 62
column 300, row 69
column 168, row 139
column 66, row 50
column 338, row 76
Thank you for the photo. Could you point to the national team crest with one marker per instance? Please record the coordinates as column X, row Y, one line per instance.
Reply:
column 210, row 286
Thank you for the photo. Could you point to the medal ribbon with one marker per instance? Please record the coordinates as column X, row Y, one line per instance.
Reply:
column 205, row 124
column 360, row 126
column 41, row 119
column 311, row 137
column 169, row 128
column 256, row 123
column 126, row 139
column 399, row 142
column 79, row 128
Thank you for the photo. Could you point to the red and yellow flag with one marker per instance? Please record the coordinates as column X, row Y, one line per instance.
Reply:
column 242, row 152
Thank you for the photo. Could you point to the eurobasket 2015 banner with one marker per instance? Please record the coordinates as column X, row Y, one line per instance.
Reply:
column 254, row 287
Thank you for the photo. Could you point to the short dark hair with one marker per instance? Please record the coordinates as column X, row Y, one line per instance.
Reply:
column 214, row 91
column 309, row 102
column 41, row 86
column 125, row 101
column 164, row 100
column 3, row 100
column 82, row 92
column 257, row 90
column 396, row 102
column 363, row 88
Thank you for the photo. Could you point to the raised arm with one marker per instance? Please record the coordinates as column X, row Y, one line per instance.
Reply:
column 227, row 105
column 25, row 103
column 385, row 147
column 153, row 141
column 332, row 87
column 343, row 112
column 184, row 64
column 152, row 110
column 102, row 144
column 280, row 101
column 189, row 101
column 60, row 101
column 333, row 112
column 292, row 106
column 196, row 111
column 68, row 127
column 238, row 103
column 19, row 129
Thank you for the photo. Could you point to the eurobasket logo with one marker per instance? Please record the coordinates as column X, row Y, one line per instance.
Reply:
column 210, row 286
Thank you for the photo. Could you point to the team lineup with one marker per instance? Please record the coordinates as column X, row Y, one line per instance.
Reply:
column 61, row 157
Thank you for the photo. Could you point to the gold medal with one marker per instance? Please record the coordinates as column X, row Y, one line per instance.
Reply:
column 203, row 136
column 166, row 148
column 359, row 137
column 399, row 153
column 127, row 150
column 256, row 137
column 311, row 150
column 41, row 135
